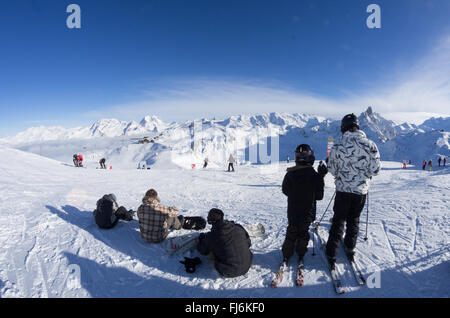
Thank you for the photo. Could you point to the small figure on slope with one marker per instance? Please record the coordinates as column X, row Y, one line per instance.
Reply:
column 80, row 160
column 75, row 160
column 102, row 163
column 231, row 162
column 205, row 163
column 424, row 164
column 430, row 165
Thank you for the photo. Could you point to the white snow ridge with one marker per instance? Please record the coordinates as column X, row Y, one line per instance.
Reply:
column 51, row 246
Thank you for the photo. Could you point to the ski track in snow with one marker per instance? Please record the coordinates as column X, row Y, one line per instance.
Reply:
column 48, row 228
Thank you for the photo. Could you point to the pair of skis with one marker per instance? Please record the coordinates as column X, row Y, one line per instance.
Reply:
column 335, row 276
column 299, row 277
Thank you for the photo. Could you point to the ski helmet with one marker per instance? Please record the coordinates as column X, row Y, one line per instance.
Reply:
column 214, row 215
column 304, row 154
column 348, row 122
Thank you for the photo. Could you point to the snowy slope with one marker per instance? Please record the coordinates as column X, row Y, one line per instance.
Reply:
column 48, row 232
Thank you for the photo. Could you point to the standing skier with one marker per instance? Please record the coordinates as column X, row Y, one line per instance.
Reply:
column 430, row 165
column 303, row 186
column 231, row 162
column 353, row 161
column 205, row 163
column 424, row 164
column 445, row 161
column 439, row 161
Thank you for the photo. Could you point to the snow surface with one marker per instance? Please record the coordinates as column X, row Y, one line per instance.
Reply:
column 48, row 232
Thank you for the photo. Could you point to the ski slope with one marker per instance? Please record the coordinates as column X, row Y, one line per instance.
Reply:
column 51, row 246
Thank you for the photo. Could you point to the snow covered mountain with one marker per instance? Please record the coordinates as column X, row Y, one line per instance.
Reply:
column 250, row 138
column 101, row 128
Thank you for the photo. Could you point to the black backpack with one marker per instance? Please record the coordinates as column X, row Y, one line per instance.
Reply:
column 105, row 215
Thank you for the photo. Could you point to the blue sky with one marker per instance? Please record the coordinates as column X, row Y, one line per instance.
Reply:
column 188, row 59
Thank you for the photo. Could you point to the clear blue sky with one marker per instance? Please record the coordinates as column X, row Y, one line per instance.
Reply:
column 137, row 55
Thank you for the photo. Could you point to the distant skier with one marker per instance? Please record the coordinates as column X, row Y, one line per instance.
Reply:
column 424, row 164
column 80, row 160
column 205, row 163
column 102, row 163
column 75, row 160
column 287, row 159
column 322, row 169
column 445, row 161
column 353, row 161
column 430, row 165
column 227, row 244
column 439, row 161
column 108, row 213
column 404, row 164
column 303, row 186
column 231, row 162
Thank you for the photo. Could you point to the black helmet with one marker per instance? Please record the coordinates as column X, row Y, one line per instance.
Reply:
column 304, row 154
column 348, row 122
column 214, row 215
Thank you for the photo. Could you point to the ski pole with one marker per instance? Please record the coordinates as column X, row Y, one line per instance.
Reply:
column 313, row 252
column 367, row 217
column 318, row 223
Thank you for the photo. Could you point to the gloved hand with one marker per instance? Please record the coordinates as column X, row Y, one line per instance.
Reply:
column 191, row 263
column 322, row 170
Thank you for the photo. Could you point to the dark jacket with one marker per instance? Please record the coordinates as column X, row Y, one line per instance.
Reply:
column 105, row 213
column 303, row 186
column 230, row 244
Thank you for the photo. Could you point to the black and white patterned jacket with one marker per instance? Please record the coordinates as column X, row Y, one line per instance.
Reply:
column 353, row 161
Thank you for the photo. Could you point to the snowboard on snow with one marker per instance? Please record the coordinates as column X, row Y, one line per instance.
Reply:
column 180, row 244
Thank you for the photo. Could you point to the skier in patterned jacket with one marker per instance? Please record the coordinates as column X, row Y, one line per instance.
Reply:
column 353, row 161
column 155, row 219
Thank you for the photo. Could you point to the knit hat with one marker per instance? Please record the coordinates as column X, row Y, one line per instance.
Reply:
column 214, row 215
column 151, row 193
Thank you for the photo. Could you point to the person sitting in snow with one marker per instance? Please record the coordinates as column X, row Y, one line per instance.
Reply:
column 227, row 244
column 155, row 219
column 108, row 213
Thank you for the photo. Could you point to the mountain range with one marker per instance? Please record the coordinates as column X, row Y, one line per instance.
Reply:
column 249, row 137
